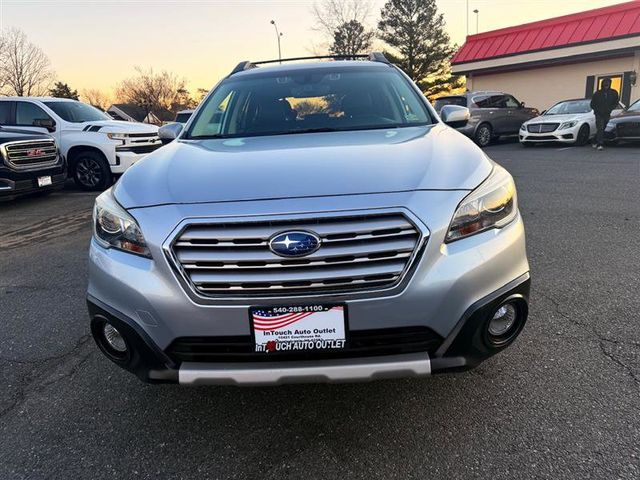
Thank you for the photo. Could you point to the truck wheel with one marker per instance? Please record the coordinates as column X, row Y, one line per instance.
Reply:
column 91, row 172
column 483, row 135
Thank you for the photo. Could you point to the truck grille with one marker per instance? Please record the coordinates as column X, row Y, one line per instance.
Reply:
column 543, row 127
column 357, row 252
column 30, row 154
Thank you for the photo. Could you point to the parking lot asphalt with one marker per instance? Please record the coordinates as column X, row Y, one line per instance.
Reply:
column 562, row 402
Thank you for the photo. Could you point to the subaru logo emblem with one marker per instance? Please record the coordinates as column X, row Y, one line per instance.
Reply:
column 294, row 244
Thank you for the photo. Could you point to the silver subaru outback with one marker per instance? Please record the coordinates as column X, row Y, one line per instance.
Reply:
column 312, row 222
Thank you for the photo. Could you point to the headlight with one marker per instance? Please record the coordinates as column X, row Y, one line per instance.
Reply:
column 113, row 227
column 492, row 205
column 117, row 135
column 567, row 125
column 523, row 127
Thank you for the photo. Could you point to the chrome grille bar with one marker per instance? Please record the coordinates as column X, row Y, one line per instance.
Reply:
column 27, row 154
column 357, row 252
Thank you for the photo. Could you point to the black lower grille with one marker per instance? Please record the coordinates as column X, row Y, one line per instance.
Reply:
column 628, row 129
column 140, row 148
column 361, row 343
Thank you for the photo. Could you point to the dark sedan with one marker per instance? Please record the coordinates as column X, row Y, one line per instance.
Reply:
column 626, row 126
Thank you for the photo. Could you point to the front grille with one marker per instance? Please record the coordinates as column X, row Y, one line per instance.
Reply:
column 357, row 252
column 630, row 129
column 151, row 135
column 30, row 154
column 542, row 127
column 361, row 343
column 140, row 148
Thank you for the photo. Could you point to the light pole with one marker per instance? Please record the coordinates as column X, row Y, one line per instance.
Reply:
column 467, row 12
column 477, row 12
column 278, row 35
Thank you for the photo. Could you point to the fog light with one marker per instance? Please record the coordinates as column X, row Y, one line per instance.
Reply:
column 503, row 320
column 113, row 338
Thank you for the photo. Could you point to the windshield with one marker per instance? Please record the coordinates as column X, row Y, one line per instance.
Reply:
column 329, row 99
column 444, row 101
column 635, row 107
column 570, row 107
column 77, row 112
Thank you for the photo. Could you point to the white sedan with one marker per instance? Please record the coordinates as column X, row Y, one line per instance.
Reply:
column 569, row 121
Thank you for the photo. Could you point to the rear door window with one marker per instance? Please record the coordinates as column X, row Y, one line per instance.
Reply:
column 27, row 114
column 489, row 101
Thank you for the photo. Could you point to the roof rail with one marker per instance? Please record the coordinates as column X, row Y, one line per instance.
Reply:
column 372, row 57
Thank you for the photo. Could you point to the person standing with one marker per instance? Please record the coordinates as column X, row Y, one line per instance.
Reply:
column 603, row 102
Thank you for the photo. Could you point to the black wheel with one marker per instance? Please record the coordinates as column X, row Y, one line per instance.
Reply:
column 91, row 171
column 483, row 135
column 583, row 135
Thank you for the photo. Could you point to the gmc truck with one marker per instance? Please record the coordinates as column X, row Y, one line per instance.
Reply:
column 97, row 148
column 29, row 162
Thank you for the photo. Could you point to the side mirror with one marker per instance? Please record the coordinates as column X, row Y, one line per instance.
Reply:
column 168, row 133
column 522, row 105
column 455, row 116
column 47, row 123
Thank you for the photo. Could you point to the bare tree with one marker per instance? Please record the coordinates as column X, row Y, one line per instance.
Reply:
column 24, row 68
column 96, row 98
column 156, row 92
column 336, row 19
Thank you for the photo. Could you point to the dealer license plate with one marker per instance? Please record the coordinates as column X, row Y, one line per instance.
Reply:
column 44, row 181
column 299, row 328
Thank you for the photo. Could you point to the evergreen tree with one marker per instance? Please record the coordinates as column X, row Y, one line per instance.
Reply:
column 415, row 31
column 351, row 38
column 63, row 90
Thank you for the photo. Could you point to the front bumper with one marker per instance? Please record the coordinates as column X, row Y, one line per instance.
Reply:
column 125, row 160
column 17, row 183
column 443, row 291
column 562, row 136
column 465, row 348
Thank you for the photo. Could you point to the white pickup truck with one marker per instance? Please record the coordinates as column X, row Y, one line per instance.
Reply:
column 96, row 147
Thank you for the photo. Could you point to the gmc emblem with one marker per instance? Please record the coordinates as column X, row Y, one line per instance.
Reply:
column 34, row 152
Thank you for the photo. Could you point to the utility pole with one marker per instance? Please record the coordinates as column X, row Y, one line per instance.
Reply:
column 477, row 12
column 278, row 35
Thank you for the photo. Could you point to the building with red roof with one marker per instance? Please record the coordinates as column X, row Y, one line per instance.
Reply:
column 559, row 58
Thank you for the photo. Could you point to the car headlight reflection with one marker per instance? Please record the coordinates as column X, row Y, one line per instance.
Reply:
column 492, row 205
column 113, row 227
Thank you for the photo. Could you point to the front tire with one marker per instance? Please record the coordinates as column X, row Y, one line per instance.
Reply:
column 483, row 135
column 584, row 134
column 91, row 171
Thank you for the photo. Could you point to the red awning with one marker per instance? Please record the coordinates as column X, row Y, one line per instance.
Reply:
column 606, row 23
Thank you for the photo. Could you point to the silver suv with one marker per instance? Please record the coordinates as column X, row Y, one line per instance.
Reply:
column 493, row 114
column 312, row 222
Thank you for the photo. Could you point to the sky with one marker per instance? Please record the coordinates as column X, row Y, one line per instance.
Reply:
column 94, row 44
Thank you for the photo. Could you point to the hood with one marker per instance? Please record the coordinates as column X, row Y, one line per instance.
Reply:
column 559, row 118
column 626, row 117
column 10, row 135
column 306, row 165
column 114, row 126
